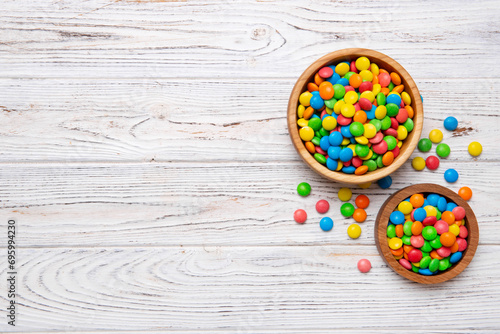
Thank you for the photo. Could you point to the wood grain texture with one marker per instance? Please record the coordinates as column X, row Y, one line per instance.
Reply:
column 384, row 62
column 239, row 289
column 226, row 120
column 382, row 220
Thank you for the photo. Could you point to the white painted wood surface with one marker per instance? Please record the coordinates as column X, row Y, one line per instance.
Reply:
column 145, row 157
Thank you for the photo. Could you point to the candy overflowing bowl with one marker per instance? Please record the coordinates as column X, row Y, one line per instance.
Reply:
column 382, row 240
column 395, row 160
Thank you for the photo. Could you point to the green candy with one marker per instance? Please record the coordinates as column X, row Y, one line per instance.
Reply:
column 320, row 158
column 414, row 268
column 324, row 132
column 330, row 103
column 424, row 145
column 391, row 86
column 374, row 156
column 380, row 99
column 380, row 163
column 304, row 189
column 347, row 210
column 392, row 109
column 338, row 91
column 391, row 231
column 372, row 165
column 348, row 75
column 434, row 265
column 443, row 150
column 318, row 134
column 424, row 263
column 357, row 129
column 362, row 150
column 386, row 123
column 429, row 233
column 407, row 228
column 316, row 140
column 444, row 263
column 406, row 240
column 408, row 124
column 315, row 123
column 391, row 142
column 376, row 123
column 438, row 215
column 426, row 247
column 424, row 254
column 436, row 243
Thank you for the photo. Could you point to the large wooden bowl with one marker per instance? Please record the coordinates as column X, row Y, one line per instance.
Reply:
column 425, row 188
column 382, row 61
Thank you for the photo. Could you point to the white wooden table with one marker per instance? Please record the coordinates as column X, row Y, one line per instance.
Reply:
column 145, row 158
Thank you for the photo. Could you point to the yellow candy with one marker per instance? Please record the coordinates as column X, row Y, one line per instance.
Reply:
column 362, row 63
column 405, row 207
column 431, row 211
column 416, row 264
column 302, row 122
column 328, row 110
column 366, row 75
column 361, row 140
column 402, row 132
column 368, row 95
column 436, row 136
column 341, row 69
column 418, row 163
column 380, row 112
column 370, row 130
column 376, row 88
column 353, row 149
column 306, row 133
column 345, row 142
column 337, row 106
column 344, row 194
column 354, row 231
column 351, row 97
column 400, row 143
column 305, row 99
column 375, row 70
column 395, row 243
column 300, row 111
column 365, row 185
column 454, row 229
column 329, row 123
column 339, row 166
column 348, row 110
column 475, row 148
column 406, row 98
column 369, row 156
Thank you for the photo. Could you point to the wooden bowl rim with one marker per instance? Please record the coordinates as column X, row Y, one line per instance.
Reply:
column 347, row 54
column 381, row 230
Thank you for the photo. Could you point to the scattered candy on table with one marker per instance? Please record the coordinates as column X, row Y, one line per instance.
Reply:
column 300, row 216
column 451, row 175
column 443, row 150
column 347, row 210
column 344, row 194
column 355, row 116
column 432, row 162
column 365, row 185
column 354, row 231
column 385, row 182
column 322, row 206
column 465, row 193
column 364, row 265
column 450, row 123
column 362, row 201
column 326, row 224
column 436, row 136
column 359, row 215
column 304, row 189
column 475, row 148
column 424, row 145
column 427, row 235
column 418, row 163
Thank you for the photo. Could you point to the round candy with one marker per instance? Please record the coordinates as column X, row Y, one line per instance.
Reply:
column 458, row 212
column 325, row 72
column 365, row 185
column 465, row 193
column 354, row 231
column 362, row 63
column 395, row 243
column 436, row 136
column 397, row 218
column 326, row 224
column 415, row 255
column 450, row 123
column 344, row 194
column 385, row 182
column 322, row 206
column 347, row 209
column 300, row 216
column 424, row 145
column 306, row 133
column 364, row 265
column 418, row 163
column 432, row 162
column 359, row 215
column 304, row 189
column 429, row 233
column 475, row 148
column 451, row 175
column 362, row 201
column 443, row 150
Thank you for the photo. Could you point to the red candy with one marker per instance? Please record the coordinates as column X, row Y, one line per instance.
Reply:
column 441, row 227
column 415, row 255
column 432, row 162
column 463, row 232
column 459, row 212
column 380, row 148
column 325, row 72
column 462, row 244
column 322, row 206
column 429, row 221
column 405, row 263
column 417, row 241
column 365, row 104
column 300, row 216
column 443, row 251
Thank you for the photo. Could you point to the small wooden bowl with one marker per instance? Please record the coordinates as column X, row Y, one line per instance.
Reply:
column 382, row 61
column 425, row 188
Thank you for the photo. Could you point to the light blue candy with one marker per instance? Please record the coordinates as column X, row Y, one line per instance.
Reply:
column 433, row 199
column 317, row 102
column 345, row 154
column 455, row 257
column 326, row 224
column 349, row 169
column 397, row 218
column 324, row 143
column 394, row 98
column 450, row 123
column 334, row 153
column 419, row 214
column 336, row 138
column 442, row 204
column 451, row 175
column 330, row 163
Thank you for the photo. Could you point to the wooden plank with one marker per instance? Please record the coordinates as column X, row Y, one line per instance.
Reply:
column 103, row 39
column 91, row 205
column 198, row 120
column 241, row 289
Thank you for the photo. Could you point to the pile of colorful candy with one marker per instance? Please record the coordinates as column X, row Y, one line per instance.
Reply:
column 355, row 116
column 427, row 235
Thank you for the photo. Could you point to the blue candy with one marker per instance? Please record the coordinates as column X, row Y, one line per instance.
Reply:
column 397, row 218
column 450, row 206
column 344, row 82
column 317, row 102
column 326, row 224
column 450, row 123
column 330, row 163
column 451, row 175
column 334, row 153
column 419, row 214
column 455, row 257
column 433, row 199
column 344, row 130
column 334, row 78
column 394, row 98
column 345, row 154
column 385, row 182
column 335, row 138
column 349, row 169
column 425, row 272
column 442, row 204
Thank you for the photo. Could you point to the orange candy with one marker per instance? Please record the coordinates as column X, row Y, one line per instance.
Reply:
column 385, row 91
column 399, row 231
column 435, row 255
column 447, row 239
column 454, row 247
column 310, row 147
column 417, row 200
column 395, row 78
column 407, row 248
column 326, row 91
column 410, row 111
column 355, row 80
column 312, row 87
column 360, row 116
column 397, row 252
column 399, row 89
column 308, row 112
column 361, row 170
column 383, row 71
column 416, row 228
column 362, row 201
column 465, row 193
column 318, row 80
column 359, row 215
column 388, row 158
column 448, row 217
